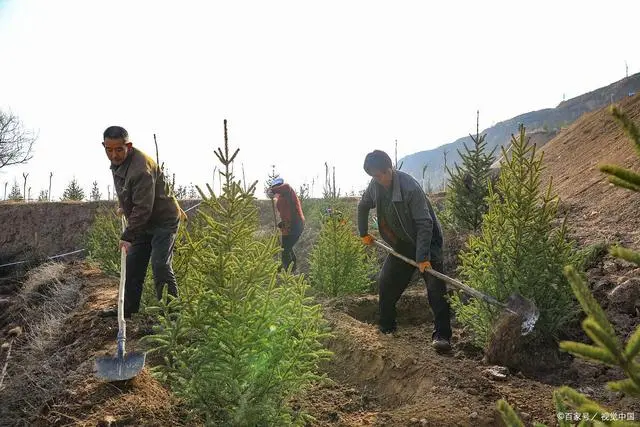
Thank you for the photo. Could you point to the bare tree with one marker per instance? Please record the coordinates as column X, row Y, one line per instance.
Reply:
column 626, row 67
column 24, row 190
column 155, row 141
column 16, row 143
column 424, row 170
column 50, row 178
column 396, row 163
column 244, row 182
column 213, row 183
column 444, row 171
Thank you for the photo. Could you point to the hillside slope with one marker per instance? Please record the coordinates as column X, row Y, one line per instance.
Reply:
column 546, row 121
column 597, row 209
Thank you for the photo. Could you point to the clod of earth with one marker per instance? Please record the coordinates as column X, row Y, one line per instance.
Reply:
column 497, row 372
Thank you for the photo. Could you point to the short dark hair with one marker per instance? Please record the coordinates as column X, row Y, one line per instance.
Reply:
column 377, row 160
column 115, row 132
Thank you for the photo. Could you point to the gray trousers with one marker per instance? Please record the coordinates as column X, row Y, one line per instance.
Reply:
column 156, row 245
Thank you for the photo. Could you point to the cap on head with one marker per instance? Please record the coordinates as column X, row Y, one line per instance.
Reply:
column 277, row 181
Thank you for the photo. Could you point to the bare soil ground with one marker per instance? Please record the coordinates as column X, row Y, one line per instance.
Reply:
column 50, row 377
column 399, row 380
column 375, row 379
column 597, row 210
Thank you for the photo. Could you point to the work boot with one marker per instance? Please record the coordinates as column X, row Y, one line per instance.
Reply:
column 440, row 344
column 387, row 329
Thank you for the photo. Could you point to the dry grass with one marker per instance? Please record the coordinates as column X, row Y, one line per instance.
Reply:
column 40, row 279
column 45, row 300
column 37, row 370
column 41, row 334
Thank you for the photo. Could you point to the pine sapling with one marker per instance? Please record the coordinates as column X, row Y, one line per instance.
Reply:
column 339, row 263
column 468, row 187
column 241, row 339
column 518, row 249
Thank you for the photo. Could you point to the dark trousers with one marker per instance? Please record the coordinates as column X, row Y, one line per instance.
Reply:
column 156, row 245
column 394, row 279
column 288, row 256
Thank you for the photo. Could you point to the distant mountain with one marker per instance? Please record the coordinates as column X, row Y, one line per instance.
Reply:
column 542, row 126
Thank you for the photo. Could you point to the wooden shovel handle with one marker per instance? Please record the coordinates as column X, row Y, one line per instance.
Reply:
column 456, row 283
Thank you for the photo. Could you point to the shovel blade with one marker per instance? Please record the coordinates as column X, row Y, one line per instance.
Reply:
column 120, row 368
column 527, row 311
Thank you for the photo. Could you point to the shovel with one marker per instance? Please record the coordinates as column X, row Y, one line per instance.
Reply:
column 516, row 303
column 123, row 366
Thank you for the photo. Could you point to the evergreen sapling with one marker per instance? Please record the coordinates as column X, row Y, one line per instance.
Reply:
column 241, row 339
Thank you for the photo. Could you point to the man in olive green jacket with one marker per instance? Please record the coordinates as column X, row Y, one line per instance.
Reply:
column 153, row 216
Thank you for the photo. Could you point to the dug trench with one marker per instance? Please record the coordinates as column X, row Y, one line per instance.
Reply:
column 398, row 379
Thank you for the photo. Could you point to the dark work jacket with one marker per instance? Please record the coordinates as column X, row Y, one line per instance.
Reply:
column 144, row 195
column 418, row 223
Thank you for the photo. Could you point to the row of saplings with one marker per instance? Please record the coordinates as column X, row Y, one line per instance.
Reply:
column 249, row 337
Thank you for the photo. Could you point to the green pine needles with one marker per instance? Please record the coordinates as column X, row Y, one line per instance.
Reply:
column 340, row 265
column 468, row 185
column 102, row 241
column 518, row 249
column 73, row 191
column 241, row 339
column 619, row 176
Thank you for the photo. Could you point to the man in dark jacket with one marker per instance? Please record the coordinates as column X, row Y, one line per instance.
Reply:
column 153, row 215
column 408, row 223
column 291, row 219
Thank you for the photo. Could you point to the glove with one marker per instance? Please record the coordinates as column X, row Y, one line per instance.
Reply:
column 422, row 266
column 183, row 215
column 368, row 239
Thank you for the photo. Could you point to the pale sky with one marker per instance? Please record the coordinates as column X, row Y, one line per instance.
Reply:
column 299, row 82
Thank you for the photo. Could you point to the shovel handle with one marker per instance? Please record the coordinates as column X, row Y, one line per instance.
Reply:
column 273, row 208
column 122, row 325
column 456, row 283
